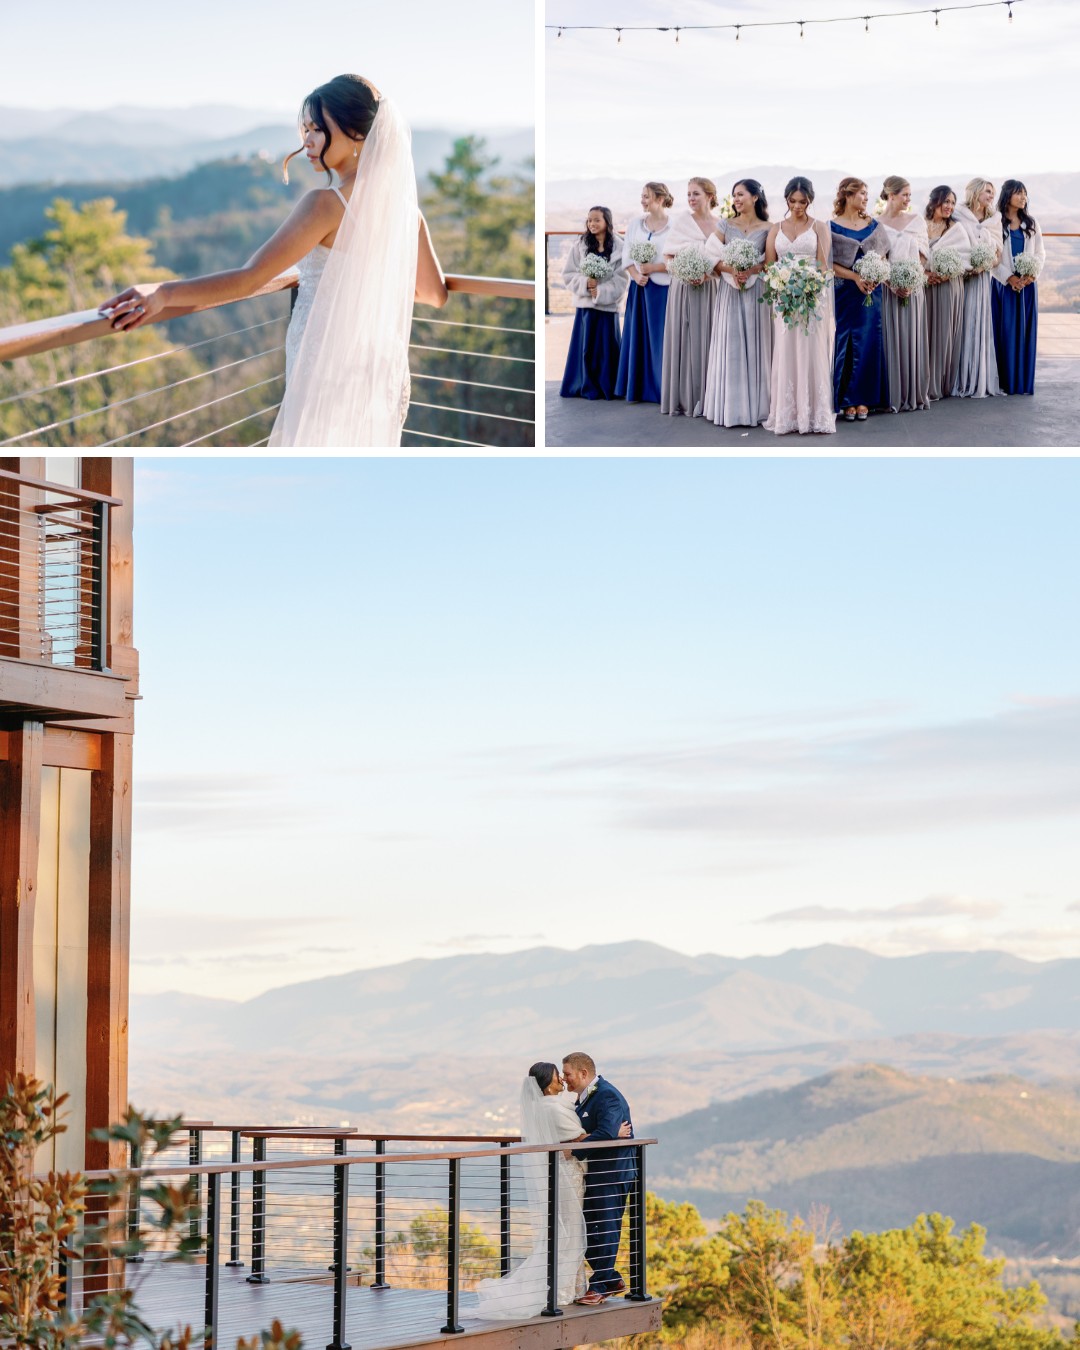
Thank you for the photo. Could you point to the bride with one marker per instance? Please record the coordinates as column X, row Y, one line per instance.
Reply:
column 547, row 1117
column 363, row 253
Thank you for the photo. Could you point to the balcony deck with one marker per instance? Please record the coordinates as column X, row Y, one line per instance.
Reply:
column 387, row 1319
column 1046, row 420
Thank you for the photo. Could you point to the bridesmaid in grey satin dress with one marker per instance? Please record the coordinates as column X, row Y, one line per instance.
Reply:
column 977, row 372
column 907, row 351
column 688, row 326
column 739, row 371
column 944, row 297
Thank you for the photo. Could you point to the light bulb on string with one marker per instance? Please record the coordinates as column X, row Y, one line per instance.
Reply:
column 676, row 37
column 619, row 38
column 937, row 18
column 559, row 33
column 1010, row 11
column 801, row 33
column 738, row 26
column 866, row 17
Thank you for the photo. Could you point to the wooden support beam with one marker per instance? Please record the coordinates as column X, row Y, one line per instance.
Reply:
column 20, row 813
column 109, row 940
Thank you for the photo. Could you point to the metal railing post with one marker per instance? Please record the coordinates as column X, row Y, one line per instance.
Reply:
column 234, row 1206
column 504, row 1212
column 195, row 1158
column 638, row 1291
column 213, row 1239
column 547, row 278
column 553, row 1309
column 134, row 1162
column 453, row 1250
column 341, row 1242
column 99, row 588
column 380, row 1218
column 258, row 1213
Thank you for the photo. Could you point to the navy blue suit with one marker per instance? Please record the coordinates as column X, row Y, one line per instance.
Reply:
column 608, row 1179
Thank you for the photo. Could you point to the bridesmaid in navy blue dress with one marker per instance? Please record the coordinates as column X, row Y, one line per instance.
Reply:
column 860, row 371
column 641, row 357
column 592, row 362
column 1014, row 300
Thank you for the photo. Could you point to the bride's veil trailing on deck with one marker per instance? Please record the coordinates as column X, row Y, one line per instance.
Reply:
column 350, row 382
column 523, row 1293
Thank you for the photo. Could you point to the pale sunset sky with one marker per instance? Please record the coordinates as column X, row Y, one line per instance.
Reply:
column 904, row 98
column 408, row 708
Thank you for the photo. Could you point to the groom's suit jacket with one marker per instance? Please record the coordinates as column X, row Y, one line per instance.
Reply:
column 601, row 1114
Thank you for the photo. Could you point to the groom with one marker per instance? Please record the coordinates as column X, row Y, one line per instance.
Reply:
column 601, row 1108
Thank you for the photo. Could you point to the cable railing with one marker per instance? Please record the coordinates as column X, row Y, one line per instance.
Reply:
column 557, row 298
column 472, row 378
column 54, row 551
column 365, row 1240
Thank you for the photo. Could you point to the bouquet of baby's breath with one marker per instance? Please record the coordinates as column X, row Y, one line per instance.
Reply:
column 690, row 265
column 1026, row 265
column 642, row 252
column 905, row 274
column 874, row 268
column 947, row 262
column 740, row 255
column 982, row 258
column 596, row 267
column 793, row 286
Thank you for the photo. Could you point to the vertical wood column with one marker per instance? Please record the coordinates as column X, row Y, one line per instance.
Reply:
column 20, row 811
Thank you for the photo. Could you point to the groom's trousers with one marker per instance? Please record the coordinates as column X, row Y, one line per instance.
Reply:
column 604, row 1205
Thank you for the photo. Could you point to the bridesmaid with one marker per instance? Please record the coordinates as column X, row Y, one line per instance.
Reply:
column 860, row 373
column 641, row 356
column 977, row 372
column 688, row 325
column 944, row 295
column 907, row 351
column 592, row 362
column 740, row 354
column 1015, row 300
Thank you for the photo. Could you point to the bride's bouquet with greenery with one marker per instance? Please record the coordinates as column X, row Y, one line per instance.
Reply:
column 642, row 252
column 740, row 255
column 793, row 286
column 690, row 265
column 596, row 267
column 874, row 268
column 905, row 274
column 947, row 262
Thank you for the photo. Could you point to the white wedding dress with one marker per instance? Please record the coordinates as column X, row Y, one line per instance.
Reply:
column 801, row 392
column 523, row 1293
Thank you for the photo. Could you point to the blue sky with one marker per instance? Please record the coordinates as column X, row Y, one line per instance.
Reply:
column 904, row 98
column 269, row 54
column 400, row 709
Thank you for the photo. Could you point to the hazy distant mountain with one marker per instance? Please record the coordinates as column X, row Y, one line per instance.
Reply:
column 877, row 1147
column 633, row 999
column 68, row 146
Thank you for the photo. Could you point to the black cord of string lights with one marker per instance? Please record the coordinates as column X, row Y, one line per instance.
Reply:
column 800, row 24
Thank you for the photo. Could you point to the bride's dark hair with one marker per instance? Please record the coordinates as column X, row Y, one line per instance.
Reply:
column 543, row 1073
column 350, row 100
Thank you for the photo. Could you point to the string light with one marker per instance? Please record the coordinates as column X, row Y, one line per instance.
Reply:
column 676, row 37
column 801, row 24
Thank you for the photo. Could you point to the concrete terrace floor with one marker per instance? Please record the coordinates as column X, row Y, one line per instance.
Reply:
column 1050, row 419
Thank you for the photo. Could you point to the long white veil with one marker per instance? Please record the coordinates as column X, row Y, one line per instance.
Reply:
column 523, row 1293
column 350, row 382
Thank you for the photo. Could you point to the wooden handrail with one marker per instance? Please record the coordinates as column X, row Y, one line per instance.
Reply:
column 66, row 330
column 356, row 1160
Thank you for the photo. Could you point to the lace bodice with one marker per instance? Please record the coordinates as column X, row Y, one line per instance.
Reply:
column 309, row 269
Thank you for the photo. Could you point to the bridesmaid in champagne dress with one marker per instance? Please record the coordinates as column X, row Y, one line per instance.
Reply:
column 860, row 373
column 641, row 356
column 688, row 324
column 944, row 295
column 1015, row 300
column 740, row 354
column 977, row 371
column 907, row 350
column 801, row 393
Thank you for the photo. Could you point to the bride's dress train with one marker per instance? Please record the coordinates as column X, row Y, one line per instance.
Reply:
column 523, row 1293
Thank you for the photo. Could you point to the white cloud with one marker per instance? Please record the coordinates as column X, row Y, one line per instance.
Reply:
column 932, row 906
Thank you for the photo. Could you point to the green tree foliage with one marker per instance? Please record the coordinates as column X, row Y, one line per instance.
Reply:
column 767, row 1282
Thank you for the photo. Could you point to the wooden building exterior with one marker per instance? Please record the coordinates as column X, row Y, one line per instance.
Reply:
column 68, row 686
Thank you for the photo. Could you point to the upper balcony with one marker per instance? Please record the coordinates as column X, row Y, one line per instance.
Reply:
column 54, row 603
column 368, row 1241
column 219, row 385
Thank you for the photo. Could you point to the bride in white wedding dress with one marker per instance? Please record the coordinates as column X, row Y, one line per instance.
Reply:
column 547, row 1117
column 363, row 254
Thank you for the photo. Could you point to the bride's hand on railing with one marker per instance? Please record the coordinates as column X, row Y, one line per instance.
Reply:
column 133, row 307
